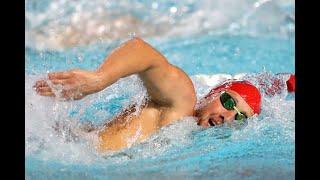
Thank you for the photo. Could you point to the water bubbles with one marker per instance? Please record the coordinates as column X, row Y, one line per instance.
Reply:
column 101, row 29
column 234, row 27
column 54, row 6
column 75, row 18
column 80, row 57
column 69, row 61
column 173, row 9
column 185, row 9
column 259, row 3
column 237, row 51
column 155, row 5
column 100, row 10
column 168, row 18
column 132, row 34
column 41, row 54
column 206, row 24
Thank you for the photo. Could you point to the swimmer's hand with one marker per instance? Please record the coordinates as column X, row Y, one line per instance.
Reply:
column 74, row 84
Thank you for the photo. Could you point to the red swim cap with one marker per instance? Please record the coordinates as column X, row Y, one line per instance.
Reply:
column 245, row 89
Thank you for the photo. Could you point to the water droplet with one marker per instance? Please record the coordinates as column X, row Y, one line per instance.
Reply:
column 155, row 5
column 69, row 61
column 132, row 34
column 80, row 57
column 237, row 51
column 173, row 9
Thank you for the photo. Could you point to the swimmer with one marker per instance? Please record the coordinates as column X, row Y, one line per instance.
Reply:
column 171, row 91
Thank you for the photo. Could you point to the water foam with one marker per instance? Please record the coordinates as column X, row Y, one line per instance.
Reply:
column 275, row 123
column 42, row 114
column 60, row 24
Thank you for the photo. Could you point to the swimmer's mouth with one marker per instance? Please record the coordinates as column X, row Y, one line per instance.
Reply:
column 211, row 122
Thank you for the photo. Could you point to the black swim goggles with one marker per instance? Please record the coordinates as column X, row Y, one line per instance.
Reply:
column 230, row 104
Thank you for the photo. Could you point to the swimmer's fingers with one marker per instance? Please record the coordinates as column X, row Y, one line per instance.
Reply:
column 46, row 94
column 60, row 81
column 40, row 83
column 60, row 75
column 42, row 86
column 44, row 91
column 66, row 93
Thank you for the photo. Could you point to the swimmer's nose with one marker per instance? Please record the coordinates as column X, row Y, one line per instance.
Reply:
column 228, row 116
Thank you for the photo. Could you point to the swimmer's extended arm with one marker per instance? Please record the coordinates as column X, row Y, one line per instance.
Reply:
column 168, row 86
column 134, row 56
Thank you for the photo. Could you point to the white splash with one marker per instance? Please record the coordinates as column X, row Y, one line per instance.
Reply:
column 42, row 113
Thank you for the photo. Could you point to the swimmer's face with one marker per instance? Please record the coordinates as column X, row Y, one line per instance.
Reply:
column 212, row 112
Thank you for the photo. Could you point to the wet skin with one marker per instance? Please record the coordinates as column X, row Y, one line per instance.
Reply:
column 213, row 113
column 172, row 95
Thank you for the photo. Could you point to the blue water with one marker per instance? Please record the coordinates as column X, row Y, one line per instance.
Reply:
column 195, row 55
column 265, row 149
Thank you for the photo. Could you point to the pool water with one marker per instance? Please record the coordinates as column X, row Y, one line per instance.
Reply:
column 264, row 149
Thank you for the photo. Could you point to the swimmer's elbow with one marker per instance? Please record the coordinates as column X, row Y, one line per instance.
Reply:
column 149, row 52
column 137, row 41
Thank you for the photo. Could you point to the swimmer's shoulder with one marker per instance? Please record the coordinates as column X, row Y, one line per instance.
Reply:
column 184, row 95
